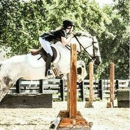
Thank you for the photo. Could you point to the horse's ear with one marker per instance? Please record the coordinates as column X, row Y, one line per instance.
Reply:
column 95, row 39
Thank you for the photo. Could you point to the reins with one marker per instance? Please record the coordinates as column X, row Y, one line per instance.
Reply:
column 82, row 47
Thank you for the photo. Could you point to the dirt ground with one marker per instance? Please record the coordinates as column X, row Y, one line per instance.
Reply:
column 39, row 118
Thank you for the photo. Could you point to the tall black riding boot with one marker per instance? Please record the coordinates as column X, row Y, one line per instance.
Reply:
column 48, row 64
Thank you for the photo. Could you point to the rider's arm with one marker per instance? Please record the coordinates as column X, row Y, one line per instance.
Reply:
column 66, row 41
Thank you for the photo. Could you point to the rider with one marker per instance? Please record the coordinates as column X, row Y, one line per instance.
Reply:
column 52, row 37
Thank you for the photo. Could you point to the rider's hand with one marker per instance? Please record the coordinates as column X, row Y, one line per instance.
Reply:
column 71, row 35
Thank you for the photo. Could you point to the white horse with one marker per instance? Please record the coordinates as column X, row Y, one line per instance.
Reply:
column 32, row 68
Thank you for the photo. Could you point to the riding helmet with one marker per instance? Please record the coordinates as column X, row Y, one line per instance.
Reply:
column 67, row 23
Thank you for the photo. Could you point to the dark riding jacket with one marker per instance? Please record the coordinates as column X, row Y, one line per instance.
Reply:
column 54, row 36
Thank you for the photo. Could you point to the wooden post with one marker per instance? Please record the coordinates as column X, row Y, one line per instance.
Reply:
column 73, row 82
column 71, row 118
column 91, row 82
column 112, row 83
column 111, row 103
column 68, row 92
column 91, row 92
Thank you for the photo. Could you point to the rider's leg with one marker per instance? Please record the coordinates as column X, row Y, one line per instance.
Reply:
column 46, row 45
column 48, row 65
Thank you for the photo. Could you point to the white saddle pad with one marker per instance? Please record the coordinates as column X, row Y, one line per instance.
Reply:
column 34, row 62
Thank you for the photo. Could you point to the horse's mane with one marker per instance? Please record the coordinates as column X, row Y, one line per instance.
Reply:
column 82, row 33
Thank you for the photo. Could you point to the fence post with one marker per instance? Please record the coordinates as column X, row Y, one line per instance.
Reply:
column 73, row 82
column 68, row 92
column 71, row 118
column 81, row 86
column 117, row 84
column 18, row 90
column 91, row 92
column 62, row 92
column 41, row 86
column 112, row 83
column 100, row 90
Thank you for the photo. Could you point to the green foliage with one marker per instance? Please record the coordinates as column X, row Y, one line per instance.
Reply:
column 115, row 39
column 23, row 21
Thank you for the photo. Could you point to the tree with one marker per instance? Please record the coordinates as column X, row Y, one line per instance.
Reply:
column 116, row 38
column 23, row 22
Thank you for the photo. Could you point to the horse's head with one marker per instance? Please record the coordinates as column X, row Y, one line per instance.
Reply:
column 95, row 56
column 89, row 44
column 81, row 71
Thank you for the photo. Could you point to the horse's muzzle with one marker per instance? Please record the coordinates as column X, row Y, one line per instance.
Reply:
column 97, row 60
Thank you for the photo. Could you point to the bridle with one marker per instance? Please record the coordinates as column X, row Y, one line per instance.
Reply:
column 83, row 48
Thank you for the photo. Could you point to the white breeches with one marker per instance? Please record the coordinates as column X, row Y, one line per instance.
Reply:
column 46, row 45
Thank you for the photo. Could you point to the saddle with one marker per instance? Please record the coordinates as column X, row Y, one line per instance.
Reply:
column 43, row 54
